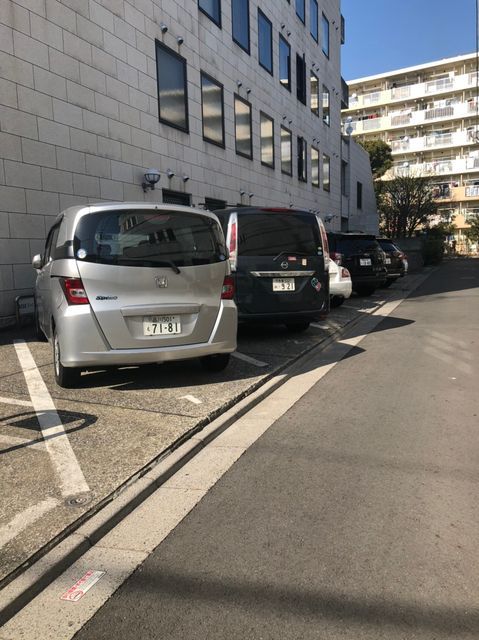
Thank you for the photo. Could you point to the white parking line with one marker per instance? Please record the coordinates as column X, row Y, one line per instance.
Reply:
column 72, row 480
column 324, row 327
column 21, row 403
column 249, row 359
column 24, row 519
column 191, row 399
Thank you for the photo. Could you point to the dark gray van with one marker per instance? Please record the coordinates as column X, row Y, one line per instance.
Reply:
column 279, row 261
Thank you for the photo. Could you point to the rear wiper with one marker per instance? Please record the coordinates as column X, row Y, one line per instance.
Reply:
column 289, row 253
column 174, row 266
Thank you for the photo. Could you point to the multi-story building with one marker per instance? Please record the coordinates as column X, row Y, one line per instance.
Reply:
column 429, row 115
column 232, row 101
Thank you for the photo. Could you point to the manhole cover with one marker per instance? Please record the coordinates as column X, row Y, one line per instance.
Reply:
column 79, row 500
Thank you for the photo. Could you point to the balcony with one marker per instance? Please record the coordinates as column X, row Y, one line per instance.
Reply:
column 435, row 168
column 412, row 91
column 434, row 141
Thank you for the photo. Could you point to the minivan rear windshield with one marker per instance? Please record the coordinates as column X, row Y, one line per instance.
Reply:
column 148, row 238
column 355, row 244
column 271, row 234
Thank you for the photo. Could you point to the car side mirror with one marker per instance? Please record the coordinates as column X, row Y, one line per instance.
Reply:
column 37, row 262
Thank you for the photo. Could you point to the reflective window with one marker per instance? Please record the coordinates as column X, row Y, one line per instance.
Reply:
column 284, row 63
column 302, row 165
column 325, row 34
column 301, row 78
column 240, row 19
column 267, row 140
column 300, row 11
column 265, row 42
column 172, row 93
column 212, row 8
column 244, row 145
column 326, row 105
column 313, row 18
column 314, row 167
column 286, row 151
column 276, row 232
column 314, row 97
column 359, row 196
column 326, row 170
column 212, row 107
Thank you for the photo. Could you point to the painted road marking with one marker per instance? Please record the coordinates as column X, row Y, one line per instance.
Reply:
column 249, row 359
column 324, row 327
column 72, row 480
column 24, row 519
column 83, row 585
column 20, row 403
column 11, row 441
column 191, row 399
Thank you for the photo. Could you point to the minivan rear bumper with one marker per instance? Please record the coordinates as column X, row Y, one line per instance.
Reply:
column 280, row 317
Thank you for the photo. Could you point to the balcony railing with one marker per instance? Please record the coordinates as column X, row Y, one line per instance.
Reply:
column 435, row 168
column 372, row 98
column 398, row 93
column 438, row 140
column 439, row 112
column 372, row 124
column 472, row 191
column 435, row 86
column 434, row 141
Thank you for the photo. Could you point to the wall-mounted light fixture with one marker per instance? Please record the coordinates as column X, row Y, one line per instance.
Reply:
column 290, row 121
column 170, row 173
column 283, row 25
column 288, row 33
column 163, row 27
column 180, row 40
column 242, row 192
column 248, row 91
column 152, row 177
column 239, row 84
column 250, row 195
column 328, row 217
column 186, row 178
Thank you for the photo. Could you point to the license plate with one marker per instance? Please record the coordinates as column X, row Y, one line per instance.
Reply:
column 161, row 325
column 283, row 284
column 388, row 260
column 365, row 262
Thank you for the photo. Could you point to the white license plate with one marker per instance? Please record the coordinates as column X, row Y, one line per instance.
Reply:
column 388, row 260
column 364, row 262
column 161, row 325
column 283, row 284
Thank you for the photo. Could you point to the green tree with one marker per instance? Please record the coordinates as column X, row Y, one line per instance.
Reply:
column 473, row 232
column 380, row 155
column 405, row 204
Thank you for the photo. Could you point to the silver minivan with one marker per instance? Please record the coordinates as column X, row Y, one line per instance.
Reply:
column 134, row 283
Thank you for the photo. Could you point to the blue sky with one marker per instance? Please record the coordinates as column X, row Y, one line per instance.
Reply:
column 382, row 35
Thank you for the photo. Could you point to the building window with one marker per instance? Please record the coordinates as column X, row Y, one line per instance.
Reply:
column 314, row 98
column 301, row 78
column 326, row 170
column 284, row 63
column 313, row 18
column 267, row 140
column 314, row 167
column 302, row 164
column 212, row 8
column 240, row 19
column 213, row 110
column 244, row 144
column 176, row 197
column 325, row 34
column 265, row 42
column 286, row 151
column 359, row 195
column 300, row 11
column 344, row 181
column 212, row 204
column 326, row 105
column 172, row 87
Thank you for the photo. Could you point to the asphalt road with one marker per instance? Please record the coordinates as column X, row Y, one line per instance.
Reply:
column 355, row 516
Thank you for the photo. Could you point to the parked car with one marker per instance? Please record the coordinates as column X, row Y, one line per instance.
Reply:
column 340, row 285
column 130, row 284
column 396, row 260
column 361, row 254
column 279, row 262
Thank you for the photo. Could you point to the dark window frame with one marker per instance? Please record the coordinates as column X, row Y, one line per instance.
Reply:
column 311, row 94
column 359, row 195
column 318, row 160
column 325, row 21
column 302, row 159
column 261, row 14
column 203, row 74
column 301, row 95
column 287, row 173
column 236, row 97
column 240, row 44
column 183, row 198
column 175, row 54
column 314, row 22
column 327, row 184
column 326, row 113
column 266, row 164
column 205, row 12
column 283, row 40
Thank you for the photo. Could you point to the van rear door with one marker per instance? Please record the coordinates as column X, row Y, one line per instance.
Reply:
column 153, row 277
column 280, row 262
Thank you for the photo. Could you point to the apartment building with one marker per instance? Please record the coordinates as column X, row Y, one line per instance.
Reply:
column 429, row 115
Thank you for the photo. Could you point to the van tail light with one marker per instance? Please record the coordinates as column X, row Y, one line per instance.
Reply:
column 337, row 257
column 345, row 273
column 74, row 291
column 232, row 240
column 228, row 290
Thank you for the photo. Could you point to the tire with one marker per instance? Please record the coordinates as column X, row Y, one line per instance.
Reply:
column 215, row 363
column 297, row 327
column 365, row 290
column 65, row 377
column 40, row 336
column 336, row 301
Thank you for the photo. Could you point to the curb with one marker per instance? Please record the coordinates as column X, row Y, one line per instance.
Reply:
column 55, row 557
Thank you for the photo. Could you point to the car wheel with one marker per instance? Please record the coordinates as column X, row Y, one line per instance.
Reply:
column 40, row 336
column 336, row 301
column 297, row 327
column 365, row 291
column 216, row 362
column 64, row 376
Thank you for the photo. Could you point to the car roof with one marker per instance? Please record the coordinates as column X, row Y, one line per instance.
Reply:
column 352, row 234
column 247, row 210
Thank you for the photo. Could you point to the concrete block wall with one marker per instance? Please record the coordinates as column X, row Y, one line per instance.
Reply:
column 79, row 113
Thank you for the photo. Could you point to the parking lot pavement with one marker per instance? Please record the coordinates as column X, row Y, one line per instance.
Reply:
column 64, row 451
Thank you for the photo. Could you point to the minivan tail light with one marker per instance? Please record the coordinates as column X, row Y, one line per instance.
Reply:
column 228, row 290
column 232, row 240
column 74, row 291
column 337, row 257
